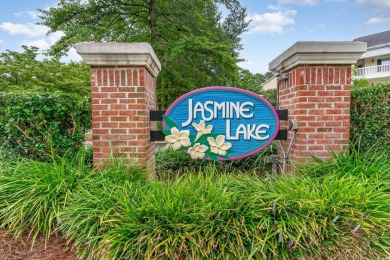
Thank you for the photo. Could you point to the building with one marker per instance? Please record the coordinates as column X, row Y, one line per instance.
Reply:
column 374, row 65
column 270, row 83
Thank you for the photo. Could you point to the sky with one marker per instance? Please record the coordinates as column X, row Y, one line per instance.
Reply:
column 275, row 25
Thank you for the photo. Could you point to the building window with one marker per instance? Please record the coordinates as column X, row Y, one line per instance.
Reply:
column 383, row 65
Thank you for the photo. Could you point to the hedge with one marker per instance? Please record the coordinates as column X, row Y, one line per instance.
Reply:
column 33, row 124
column 370, row 117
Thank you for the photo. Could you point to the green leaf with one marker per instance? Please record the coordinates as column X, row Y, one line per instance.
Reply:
column 166, row 132
column 212, row 156
column 169, row 122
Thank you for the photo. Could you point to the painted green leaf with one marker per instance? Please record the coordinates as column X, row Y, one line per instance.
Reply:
column 203, row 139
column 166, row 132
column 169, row 122
column 213, row 156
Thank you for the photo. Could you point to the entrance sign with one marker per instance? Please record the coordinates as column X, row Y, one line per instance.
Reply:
column 220, row 123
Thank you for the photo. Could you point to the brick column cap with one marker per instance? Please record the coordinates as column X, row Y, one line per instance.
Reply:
column 345, row 53
column 119, row 54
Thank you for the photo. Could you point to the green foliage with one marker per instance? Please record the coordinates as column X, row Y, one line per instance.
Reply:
column 195, row 46
column 22, row 71
column 214, row 215
column 32, row 193
column 31, row 124
column 370, row 164
column 361, row 83
column 271, row 96
column 170, row 163
column 252, row 82
column 370, row 117
column 90, row 211
column 341, row 212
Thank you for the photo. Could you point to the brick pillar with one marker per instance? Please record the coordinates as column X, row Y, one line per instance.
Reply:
column 314, row 84
column 123, row 86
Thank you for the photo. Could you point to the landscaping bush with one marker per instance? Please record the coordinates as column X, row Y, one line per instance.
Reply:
column 370, row 117
column 224, row 216
column 31, row 124
column 340, row 211
column 370, row 164
column 271, row 96
column 33, row 193
column 91, row 209
column 213, row 214
column 170, row 162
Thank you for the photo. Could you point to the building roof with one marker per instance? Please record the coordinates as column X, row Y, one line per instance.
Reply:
column 375, row 39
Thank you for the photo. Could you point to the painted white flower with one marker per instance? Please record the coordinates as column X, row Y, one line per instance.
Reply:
column 219, row 146
column 178, row 139
column 198, row 151
column 202, row 129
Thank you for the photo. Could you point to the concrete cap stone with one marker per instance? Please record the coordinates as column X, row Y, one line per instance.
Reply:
column 119, row 54
column 345, row 53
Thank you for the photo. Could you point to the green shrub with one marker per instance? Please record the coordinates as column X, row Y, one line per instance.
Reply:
column 271, row 96
column 33, row 123
column 341, row 211
column 330, row 217
column 361, row 83
column 370, row 117
column 241, row 217
column 170, row 162
column 91, row 209
column 185, row 218
column 369, row 164
column 33, row 193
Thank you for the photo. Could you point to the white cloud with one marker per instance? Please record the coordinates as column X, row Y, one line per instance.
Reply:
column 303, row 2
column 271, row 22
column 29, row 14
column 28, row 29
column 18, row 15
column 1, row 41
column 382, row 8
column 377, row 20
column 299, row 2
column 375, row 4
column 55, row 37
column 40, row 43
column 44, row 43
column 72, row 55
column 33, row 14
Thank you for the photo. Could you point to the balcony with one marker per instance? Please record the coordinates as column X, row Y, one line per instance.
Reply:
column 373, row 72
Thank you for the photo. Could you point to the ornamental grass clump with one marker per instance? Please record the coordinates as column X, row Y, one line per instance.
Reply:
column 372, row 164
column 170, row 162
column 191, row 217
column 340, row 211
column 331, row 216
column 32, row 193
column 91, row 209
column 213, row 215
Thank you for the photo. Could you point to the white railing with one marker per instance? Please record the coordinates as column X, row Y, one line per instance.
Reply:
column 373, row 71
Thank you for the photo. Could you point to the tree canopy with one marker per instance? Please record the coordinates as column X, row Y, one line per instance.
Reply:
column 23, row 71
column 196, row 44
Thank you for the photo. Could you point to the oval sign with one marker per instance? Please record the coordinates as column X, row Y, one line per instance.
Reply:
column 220, row 123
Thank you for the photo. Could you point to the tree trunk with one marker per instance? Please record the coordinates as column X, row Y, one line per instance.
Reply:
column 152, row 21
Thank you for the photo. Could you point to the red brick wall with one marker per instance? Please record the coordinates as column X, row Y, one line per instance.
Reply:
column 121, row 100
column 318, row 96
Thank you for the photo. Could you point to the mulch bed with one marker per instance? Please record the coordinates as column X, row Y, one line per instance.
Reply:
column 20, row 249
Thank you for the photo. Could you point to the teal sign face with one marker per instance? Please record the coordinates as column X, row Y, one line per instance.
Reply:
column 220, row 123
